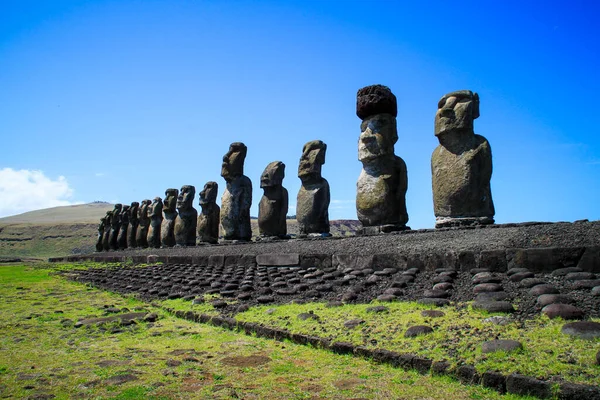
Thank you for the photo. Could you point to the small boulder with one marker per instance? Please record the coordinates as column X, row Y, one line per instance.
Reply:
column 565, row 311
column 353, row 323
column 487, row 287
column 417, row 330
column 539, row 290
column 582, row 329
column 432, row 313
column 501, row 345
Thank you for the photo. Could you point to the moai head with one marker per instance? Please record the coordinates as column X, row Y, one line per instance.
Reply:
column 143, row 212
column 311, row 161
column 117, row 209
column 186, row 197
column 133, row 209
column 170, row 200
column 108, row 217
column 376, row 106
column 233, row 161
column 273, row 175
column 155, row 208
column 125, row 213
column 102, row 224
column 209, row 193
column 456, row 112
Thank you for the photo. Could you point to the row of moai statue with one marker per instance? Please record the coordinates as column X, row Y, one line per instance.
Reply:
column 461, row 169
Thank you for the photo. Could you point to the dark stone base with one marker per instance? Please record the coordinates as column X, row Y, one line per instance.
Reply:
column 377, row 229
column 450, row 222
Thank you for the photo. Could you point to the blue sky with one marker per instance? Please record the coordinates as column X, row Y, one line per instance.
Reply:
column 120, row 100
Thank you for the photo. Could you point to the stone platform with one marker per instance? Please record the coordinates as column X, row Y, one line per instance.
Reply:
column 537, row 246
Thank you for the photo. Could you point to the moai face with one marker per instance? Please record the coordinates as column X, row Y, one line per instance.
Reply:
column 155, row 209
column 143, row 213
column 377, row 138
column 117, row 209
column 456, row 112
column 209, row 193
column 134, row 208
column 311, row 161
column 170, row 200
column 273, row 175
column 125, row 211
column 108, row 217
column 186, row 197
column 233, row 161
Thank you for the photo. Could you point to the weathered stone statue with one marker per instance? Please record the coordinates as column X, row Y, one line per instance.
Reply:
column 99, row 246
column 187, row 217
column 382, row 184
column 237, row 198
column 167, row 233
column 144, row 224
column 312, row 205
column 107, row 228
column 155, row 213
column 133, row 225
column 209, row 218
column 122, row 238
column 461, row 166
column 115, row 226
column 273, row 206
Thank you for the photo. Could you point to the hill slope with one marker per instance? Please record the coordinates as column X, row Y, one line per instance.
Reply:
column 61, row 231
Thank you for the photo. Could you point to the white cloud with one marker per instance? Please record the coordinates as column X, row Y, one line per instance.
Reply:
column 27, row 190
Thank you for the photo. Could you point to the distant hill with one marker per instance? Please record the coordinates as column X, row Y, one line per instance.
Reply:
column 61, row 231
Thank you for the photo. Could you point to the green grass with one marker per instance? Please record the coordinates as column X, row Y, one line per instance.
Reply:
column 42, row 353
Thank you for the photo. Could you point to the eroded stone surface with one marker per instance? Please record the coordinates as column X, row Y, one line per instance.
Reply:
column 167, row 232
column 273, row 206
column 582, row 329
column 187, row 217
column 237, row 198
column 133, row 224
column 501, row 345
column 115, row 225
column 156, row 217
column 312, row 204
column 210, row 215
column 565, row 311
column 141, row 237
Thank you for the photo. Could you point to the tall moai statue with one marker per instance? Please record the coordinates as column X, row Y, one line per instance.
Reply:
column 312, row 205
column 273, row 206
column 99, row 246
column 133, row 225
column 141, row 237
column 115, row 226
column 156, row 216
column 209, row 217
column 122, row 238
column 237, row 198
column 107, row 228
column 187, row 217
column 167, row 233
column 383, row 181
column 461, row 166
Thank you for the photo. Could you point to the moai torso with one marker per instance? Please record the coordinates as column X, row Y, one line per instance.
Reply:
column 187, row 217
column 144, row 224
column 273, row 206
column 461, row 166
column 312, row 203
column 122, row 238
column 383, row 181
column 133, row 225
column 99, row 246
column 115, row 223
column 170, row 213
column 156, row 217
column 210, row 215
column 237, row 198
column 107, row 228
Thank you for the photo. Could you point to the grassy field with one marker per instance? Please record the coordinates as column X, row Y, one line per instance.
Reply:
column 44, row 354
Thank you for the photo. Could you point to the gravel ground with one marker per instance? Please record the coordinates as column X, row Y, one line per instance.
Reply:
column 493, row 237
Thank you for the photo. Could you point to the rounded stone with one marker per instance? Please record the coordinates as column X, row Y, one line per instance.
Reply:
column 582, row 329
column 443, row 278
column 531, row 282
column 417, row 330
column 519, row 276
column 485, row 278
column 432, row 301
column 513, row 271
column 375, row 99
column 539, row 290
column 264, row 299
column 494, row 306
column 377, row 309
column 353, row 323
column 475, row 271
column 349, row 296
column 501, row 345
column 432, row 313
column 596, row 291
column 439, row 294
column 578, row 276
column 547, row 299
column 443, row 286
column 393, row 291
column 487, row 296
column 586, row 283
column 564, row 311
column 387, row 298
column 487, row 287
column 565, row 271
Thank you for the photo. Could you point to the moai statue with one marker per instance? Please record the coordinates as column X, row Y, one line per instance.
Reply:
column 461, row 166
column 167, row 233
column 382, row 184
column 208, row 219
column 115, row 223
column 141, row 237
column 237, row 198
column 273, row 206
column 122, row 238
column 155, row 214
column 107, row 228
column 312, row 205
column 133, row 225
column 187, row 217
column 99, row 246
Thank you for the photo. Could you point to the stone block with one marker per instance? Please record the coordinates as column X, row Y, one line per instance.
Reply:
column 494, row 260
column 343, row 261
column 590, row 260
column 216, row 260
column 526, row 386
column 278, row 260
column 179, row 259
column 544, row 259
column 315, row 260
column 466, row 260
column 201, row 261
column 389, row 260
